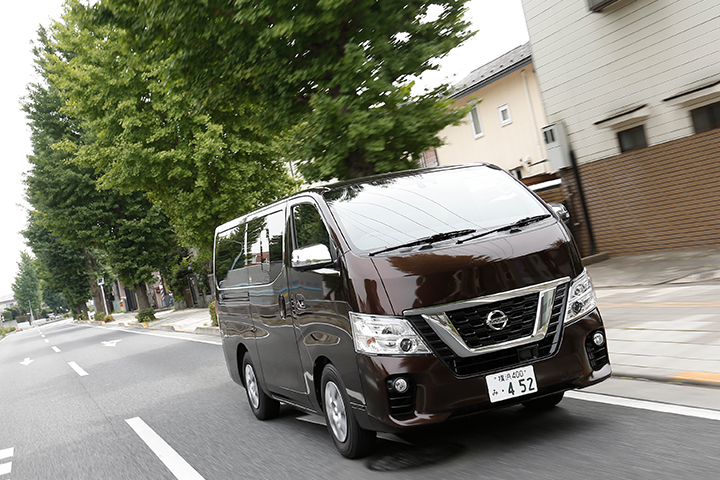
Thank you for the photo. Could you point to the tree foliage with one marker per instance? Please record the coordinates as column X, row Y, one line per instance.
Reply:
column 63, row 268
column 26, row 287
column 336, row 74
column 132, row 232
column 202, row 166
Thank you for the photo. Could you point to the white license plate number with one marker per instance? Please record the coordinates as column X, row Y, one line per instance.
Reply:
column 511, row 384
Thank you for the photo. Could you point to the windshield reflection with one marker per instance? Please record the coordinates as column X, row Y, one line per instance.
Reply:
column 400, row 210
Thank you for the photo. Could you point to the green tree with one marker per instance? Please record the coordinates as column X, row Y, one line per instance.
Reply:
column 203, row 166
column 26, row 288
column 131, row 231
column 63, row 268
column 334, row 76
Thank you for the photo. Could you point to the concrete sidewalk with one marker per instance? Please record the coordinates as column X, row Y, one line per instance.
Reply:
column 661, row 312
column 662, row 315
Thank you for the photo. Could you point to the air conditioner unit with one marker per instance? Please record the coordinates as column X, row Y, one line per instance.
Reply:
column 557, row 146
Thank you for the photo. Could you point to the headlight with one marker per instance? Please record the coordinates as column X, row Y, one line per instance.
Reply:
column 581, row 298
column 385, row 335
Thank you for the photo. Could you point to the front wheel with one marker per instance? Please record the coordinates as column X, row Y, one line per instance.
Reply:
column 261, row 404
column 350, row 439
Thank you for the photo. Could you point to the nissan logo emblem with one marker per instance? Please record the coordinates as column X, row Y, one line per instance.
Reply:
column 496, row 320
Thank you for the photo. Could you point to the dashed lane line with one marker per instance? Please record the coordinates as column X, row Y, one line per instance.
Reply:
column 646, row 405
column 172, row 460
column 78, row 369
column 6, row 468
column 56, row 349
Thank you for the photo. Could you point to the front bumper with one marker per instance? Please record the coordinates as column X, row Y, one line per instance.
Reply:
column 439, row 393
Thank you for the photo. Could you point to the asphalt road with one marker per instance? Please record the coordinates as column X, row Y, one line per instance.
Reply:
column 87, row 402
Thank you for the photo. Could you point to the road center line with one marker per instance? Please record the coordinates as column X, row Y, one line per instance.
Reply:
column 646, row 405
column 57, row 350
column 77, row 369
column 172, row 460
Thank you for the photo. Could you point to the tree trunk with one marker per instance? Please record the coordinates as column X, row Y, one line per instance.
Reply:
column 94, row 287
column 141, row 294
column 358, row 167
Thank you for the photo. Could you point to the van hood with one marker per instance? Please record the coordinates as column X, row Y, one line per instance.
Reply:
column 453, row 273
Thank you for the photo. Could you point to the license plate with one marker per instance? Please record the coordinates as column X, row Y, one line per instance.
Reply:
column 511, row 384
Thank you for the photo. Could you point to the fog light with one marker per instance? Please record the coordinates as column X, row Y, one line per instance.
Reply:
column 400, row 385
column 598, row 339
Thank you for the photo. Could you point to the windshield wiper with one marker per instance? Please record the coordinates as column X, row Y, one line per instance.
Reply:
column 513, row 227
column 438, row 237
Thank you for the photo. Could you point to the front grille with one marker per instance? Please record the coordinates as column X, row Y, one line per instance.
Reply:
column 501, row 359
column 470, row 323
column 598, row 355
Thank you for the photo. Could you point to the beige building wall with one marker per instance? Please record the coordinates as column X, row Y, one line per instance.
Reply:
column 515, row 144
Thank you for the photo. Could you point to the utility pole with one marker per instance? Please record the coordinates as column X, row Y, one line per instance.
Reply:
column 101, row 282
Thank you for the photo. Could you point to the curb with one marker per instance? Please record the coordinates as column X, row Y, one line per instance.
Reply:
column 664, row 379
column 208, row 331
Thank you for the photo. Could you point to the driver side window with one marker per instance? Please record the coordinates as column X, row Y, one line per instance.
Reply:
column 309, row 227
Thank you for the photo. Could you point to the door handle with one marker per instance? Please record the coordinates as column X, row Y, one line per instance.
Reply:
column 300, row 301
column 283, row 307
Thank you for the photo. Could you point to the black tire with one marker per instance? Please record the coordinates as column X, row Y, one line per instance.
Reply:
column 544, row 403
column 260, row 403
column 350, row 439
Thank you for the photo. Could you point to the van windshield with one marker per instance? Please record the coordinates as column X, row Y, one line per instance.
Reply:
column 393, row 211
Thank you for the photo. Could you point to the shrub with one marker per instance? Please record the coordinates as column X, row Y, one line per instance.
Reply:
column 109, row 318
column 213, row 314
column 146, row 315
column 5, row 330
column 100, row 316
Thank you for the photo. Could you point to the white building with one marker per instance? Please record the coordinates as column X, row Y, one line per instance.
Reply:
column 636, row 84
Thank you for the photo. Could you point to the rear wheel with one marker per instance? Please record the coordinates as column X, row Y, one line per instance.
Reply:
column 350, row 439
column 544, row 403
column 261, row 404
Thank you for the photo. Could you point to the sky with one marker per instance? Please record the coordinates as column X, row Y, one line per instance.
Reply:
column 500, row 27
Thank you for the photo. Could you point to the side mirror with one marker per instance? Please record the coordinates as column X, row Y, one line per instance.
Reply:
column 561, row 212
column 313, row 256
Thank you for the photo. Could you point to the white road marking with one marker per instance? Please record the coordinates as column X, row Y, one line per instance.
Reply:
column 77, row 369
column 646, row 405
column 47, row 341
column 27, row 361
column 153, row 334
column 172, row 460
column 5, row 468
column 7, row 453
column 111, row 343
column 57, row 350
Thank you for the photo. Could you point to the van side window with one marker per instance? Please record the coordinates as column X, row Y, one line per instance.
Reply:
column 265, row 252
column 230, row 258
column 309, row 227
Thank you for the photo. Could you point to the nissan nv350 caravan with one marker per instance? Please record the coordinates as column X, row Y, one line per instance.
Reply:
column 406, row 299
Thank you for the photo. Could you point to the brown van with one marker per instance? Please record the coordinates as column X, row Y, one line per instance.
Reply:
column 406, row 299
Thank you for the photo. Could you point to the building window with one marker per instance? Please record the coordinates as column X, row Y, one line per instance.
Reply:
column 475, row 122
column 632, row 139
column 706, row 118
column 504, row 114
